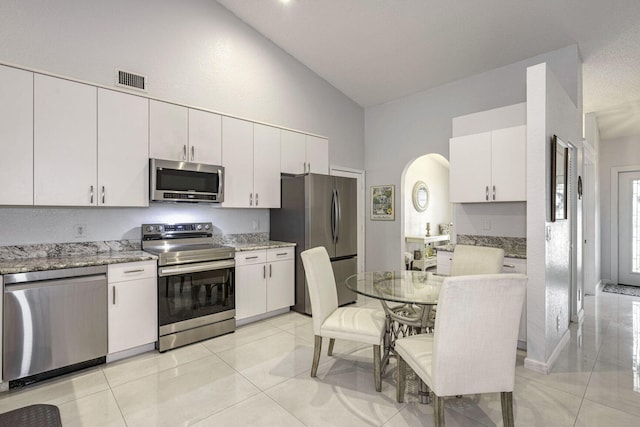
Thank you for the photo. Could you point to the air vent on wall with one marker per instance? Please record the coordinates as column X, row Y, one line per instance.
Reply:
column 131, row 80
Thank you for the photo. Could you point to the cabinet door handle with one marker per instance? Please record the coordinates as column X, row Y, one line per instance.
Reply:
column 91, row 194
column 250, row 199
column 270, row 270
column 184, row 152
column 193, row 153
column 137, row 270
column 114, row 295
column 486, row 193
column 103, row 194
column 256, row 199
column 264, row 271
column 494, row 192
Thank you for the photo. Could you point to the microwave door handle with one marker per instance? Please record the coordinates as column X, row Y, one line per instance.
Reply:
column 220, row 186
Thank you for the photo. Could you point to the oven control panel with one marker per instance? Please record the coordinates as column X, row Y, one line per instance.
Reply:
column 156, row 231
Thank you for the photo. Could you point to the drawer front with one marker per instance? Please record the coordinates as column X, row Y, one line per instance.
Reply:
column 280, row 254
column 132, row 271
column 251, row 257
column 515, row 265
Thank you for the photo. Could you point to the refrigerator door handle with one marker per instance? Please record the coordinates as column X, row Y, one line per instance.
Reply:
column 334, row 216
column 338, row 215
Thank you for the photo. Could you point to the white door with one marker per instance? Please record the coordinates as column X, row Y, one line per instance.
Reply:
column 317, row 154
column 205, row 137
column 237, row 159
column 65, row 145
column 168, row 131
column 123, row 149
column 16, row 136
column 509, row 164
column 629, row 228
column 470, row 168
column 266, row 166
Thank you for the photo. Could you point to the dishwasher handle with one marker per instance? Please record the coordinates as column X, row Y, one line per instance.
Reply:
column 57, row 282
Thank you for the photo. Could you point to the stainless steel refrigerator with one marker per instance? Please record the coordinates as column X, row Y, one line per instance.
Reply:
column 319, row 210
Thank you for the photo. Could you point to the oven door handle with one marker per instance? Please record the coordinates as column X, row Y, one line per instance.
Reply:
column 195, row 268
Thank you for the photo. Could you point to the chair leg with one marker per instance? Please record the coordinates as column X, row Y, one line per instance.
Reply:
column 506, row 398
column 332, row 341
column 400, row 381
column 377, row 371
column 317, row 348
column 438, row 410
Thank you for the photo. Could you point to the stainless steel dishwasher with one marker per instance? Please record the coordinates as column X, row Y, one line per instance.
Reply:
column 53, row 320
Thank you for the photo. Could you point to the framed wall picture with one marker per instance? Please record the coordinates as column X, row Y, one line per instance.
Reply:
column 382, row 203
column 559, row 179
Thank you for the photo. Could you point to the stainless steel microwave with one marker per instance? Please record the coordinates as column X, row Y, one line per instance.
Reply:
column 172, row 181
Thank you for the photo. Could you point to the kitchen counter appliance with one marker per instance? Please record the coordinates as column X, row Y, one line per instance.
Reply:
column 172, row 181
column 55, row 321
column 196, row 283
column 319, row 210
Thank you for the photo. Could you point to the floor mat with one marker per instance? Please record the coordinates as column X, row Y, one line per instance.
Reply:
column 622, row 289
column 32, row 416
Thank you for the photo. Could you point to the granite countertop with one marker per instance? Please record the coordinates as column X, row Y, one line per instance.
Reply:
column 25, row 265
column 263, row 244
column 514, row 247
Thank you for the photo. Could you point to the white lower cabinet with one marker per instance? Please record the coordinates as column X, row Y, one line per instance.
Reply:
column 264, row 281
column 133, row 305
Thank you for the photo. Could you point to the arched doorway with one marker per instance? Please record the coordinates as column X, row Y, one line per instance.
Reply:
column 430, row 171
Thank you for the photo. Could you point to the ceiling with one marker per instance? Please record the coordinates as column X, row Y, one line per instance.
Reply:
column 375, row 51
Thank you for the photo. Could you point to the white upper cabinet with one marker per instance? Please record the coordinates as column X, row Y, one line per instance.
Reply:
column 302, row 153
column 266, row 166
column 65, row 149
column 237, row 159
column 168, row 131
column 488, row 167
column 205, row 137
column 251, row 160
column 317, row 154
column 184, row 134
column 509, row 163
column 16, row 136
column 123, row 149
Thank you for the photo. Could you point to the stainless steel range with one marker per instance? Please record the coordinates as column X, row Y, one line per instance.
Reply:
column 196, row 283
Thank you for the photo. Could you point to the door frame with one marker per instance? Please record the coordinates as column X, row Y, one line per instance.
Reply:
column 359, row 175
column 613, row 219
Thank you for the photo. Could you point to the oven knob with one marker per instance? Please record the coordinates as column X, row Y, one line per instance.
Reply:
column 149, row 228
column 199, row 227
column 159, row 229
column 206, row 226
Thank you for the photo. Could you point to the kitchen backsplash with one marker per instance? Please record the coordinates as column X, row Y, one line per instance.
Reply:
column 57, row 250
column 512, row 245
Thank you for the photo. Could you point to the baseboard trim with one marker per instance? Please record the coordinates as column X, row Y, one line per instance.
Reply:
column 545, row 367
column 263, row 316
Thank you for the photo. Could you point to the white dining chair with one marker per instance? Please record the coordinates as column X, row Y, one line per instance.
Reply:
column 468, row 259
column 473, row 347
column 363, row 325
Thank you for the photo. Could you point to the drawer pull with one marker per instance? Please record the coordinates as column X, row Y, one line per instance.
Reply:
column 509, row 266
column 281, row 254
column 137, row 270
column 251, row 257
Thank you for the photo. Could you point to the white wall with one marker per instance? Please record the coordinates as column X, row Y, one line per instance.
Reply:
column 549, row 111
column 195, row 53
column 618, row 152
column 433, row 170
column 403, row 130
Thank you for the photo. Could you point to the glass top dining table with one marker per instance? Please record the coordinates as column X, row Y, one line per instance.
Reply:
column 406, row 287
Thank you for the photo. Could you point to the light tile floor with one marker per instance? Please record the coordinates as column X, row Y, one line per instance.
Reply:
column 259, row 376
